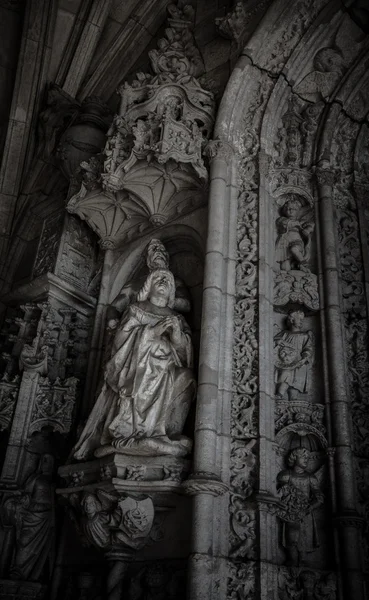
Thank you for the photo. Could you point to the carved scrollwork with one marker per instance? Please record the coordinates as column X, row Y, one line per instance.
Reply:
column 296, row 583
column 8, row 399
column 244, row 417
column 241, row 580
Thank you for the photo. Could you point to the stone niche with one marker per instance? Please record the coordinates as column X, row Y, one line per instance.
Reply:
column 107, row 474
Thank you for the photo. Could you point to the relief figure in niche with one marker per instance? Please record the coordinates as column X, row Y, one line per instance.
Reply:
column 300, row 494
column 294, row 354
column 294, row 236
column 148, row 379
column 156, row 258
column 109, row 521
column 32, row 513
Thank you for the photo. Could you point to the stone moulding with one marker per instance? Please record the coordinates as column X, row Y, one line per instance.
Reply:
column 127, row 474
column 198, row 484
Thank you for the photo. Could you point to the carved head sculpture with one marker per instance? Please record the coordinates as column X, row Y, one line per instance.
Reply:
column 157, row 256
column 91, row 505
column 295, row 319
column 159, row 282
column 299, row 457
column 327, row 60
column 292, row 206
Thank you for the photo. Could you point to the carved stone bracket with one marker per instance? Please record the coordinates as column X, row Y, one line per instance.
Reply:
column 299, row 582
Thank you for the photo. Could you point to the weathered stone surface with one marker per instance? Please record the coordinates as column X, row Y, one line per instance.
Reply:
column 256, row 232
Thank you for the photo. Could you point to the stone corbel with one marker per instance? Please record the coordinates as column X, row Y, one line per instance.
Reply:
column 119, row 525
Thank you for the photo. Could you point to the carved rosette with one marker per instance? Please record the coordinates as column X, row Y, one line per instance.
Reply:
column 152, row 168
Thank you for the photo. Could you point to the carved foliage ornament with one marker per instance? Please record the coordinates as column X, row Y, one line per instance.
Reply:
column 245, row 354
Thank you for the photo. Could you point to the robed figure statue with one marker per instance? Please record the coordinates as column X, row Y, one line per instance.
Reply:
column 148, row 379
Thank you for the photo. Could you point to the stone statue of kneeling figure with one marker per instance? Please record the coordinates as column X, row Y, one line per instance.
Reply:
column 149, row 383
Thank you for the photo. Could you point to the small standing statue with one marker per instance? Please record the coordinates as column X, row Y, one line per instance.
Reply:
column 300, row 496
column 32, row 513
column 149, row 383
column 294, row 355
column 294, row 236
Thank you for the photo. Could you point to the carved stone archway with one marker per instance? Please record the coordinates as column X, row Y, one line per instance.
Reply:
column 301, row 133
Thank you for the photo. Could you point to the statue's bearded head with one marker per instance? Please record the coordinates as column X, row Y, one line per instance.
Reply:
column 159, row 282
column 157, row 256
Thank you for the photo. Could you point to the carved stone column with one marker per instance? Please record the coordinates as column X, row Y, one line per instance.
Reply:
column 347, row 519
column 214, row 385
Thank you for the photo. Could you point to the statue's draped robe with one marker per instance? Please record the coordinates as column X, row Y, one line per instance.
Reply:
column 144, row 379
column 34, row 536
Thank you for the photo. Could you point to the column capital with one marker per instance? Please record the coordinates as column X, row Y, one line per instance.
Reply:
column 219, row 149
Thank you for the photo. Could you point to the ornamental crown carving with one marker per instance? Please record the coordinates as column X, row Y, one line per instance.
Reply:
column 164, row 118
